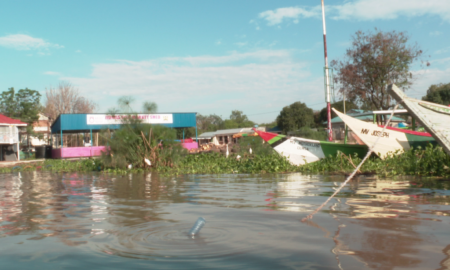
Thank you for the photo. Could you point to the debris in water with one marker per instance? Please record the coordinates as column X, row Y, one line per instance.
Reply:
column 197, row 226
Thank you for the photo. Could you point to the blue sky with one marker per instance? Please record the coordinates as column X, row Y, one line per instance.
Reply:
column 205, row 56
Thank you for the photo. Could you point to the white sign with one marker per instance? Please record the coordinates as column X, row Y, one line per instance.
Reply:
column 40, row 128
column 106, row 119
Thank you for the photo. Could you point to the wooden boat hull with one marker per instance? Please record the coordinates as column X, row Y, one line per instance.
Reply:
column 434, row 117
column 391, row 140
column 301, row 151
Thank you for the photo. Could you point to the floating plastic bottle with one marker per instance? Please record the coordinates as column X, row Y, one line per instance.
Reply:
column 197, row 226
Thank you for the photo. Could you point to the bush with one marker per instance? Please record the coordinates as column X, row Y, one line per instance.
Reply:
column 308, row 133
column 134, row 142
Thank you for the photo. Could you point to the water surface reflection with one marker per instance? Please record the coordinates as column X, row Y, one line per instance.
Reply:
column 253, row 221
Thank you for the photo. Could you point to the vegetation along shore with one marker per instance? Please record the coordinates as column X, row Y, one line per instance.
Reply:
column 431, row 161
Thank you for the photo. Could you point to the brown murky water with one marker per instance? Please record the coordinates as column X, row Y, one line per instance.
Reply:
column 94, row 221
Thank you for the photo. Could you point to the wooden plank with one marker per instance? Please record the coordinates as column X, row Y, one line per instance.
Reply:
column 433, row 116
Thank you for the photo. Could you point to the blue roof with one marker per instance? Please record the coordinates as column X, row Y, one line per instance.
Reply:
column 78, row 122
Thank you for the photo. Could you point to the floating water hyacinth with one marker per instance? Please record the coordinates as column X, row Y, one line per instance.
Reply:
column 197, row 226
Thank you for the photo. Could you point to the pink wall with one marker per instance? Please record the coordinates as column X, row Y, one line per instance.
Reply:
column 69, row 152
column 188, row 146
column 74, row 152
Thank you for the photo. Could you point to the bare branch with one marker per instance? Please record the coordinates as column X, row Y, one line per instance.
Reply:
column 66, row 99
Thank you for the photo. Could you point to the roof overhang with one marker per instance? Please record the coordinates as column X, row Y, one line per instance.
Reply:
column 9, row 124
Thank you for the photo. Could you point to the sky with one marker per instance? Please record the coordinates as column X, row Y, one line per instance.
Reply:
column 209, row 57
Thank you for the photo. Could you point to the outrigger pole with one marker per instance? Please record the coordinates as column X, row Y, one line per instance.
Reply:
column 327, row 78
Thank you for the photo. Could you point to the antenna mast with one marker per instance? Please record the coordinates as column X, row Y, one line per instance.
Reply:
column 327, row 78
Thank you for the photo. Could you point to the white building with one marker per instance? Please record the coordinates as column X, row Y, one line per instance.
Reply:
column 9, row 138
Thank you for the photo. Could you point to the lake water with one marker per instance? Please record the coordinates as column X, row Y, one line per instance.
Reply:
column 95, row 221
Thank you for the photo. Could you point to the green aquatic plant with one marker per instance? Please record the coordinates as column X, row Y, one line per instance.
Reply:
column 431, row 161
column 141, row 145
column 257, row 144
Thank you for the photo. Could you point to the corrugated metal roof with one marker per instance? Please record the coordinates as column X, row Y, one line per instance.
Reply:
column 207, row 135
column 78, row 122
column 5, row 120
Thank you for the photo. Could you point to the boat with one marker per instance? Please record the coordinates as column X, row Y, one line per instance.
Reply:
column 391, row 140
column 434, row 117
column 300, row 151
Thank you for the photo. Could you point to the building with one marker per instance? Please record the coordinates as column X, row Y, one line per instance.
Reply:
column 9, row 138
column 224, row 136
column 41, row 128
column 77, row 135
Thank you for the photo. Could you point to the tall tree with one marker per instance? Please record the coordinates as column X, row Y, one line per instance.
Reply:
column 438, row 93
column 23, row 105
column 375, row 60
column 322, row 115
column 66, row 99
column 210, row 122
column 295, row 116
column 240, row 119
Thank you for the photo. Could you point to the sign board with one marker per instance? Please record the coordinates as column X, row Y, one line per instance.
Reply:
column 40, row 128
column 106, row 119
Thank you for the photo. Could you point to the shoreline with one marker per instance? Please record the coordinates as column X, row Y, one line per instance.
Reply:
column 429, row 162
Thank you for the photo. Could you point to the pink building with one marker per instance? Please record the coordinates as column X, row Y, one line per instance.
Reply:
column 77, row 135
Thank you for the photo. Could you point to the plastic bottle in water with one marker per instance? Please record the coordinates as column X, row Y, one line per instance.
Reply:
column 197, row 226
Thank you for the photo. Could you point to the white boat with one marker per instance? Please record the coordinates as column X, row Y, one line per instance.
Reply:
column 301, row 151
column 391, row 140
column 434, row 117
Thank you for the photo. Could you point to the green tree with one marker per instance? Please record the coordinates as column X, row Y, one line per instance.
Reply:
column 438, row 93
column 240, row 119
column 23, row 105
column 321, row 117
column 295, row 116
column 374, row 61
column 229, row 124
column 210, row 122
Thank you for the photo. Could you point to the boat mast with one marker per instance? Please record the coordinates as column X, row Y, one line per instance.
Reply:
column 327, row 78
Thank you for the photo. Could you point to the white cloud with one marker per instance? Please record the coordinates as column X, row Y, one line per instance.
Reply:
column 207, row 84
column 388, row 9
column 435, row 33
column 218, row 42
column 24, row 43
column 277, row 16
column 241, row 44
column 443, row 50
column 258, row 56
column 78, row 51
column 438, row 73
column 363, row 10
column 52, row 73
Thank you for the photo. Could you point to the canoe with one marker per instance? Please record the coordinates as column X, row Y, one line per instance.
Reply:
column 434, row 117
column 300, row 151
column 392, row 140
